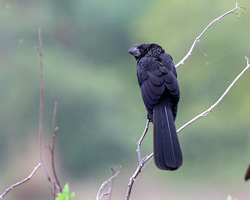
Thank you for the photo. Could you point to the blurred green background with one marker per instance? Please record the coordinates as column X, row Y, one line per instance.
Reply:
column 100, row 111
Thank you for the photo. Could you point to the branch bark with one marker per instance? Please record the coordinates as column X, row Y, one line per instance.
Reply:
column 20, row 182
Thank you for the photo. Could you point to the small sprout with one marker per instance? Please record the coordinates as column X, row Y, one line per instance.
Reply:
column 65, row 195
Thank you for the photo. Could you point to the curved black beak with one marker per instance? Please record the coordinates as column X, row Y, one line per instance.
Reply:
column 134, row 50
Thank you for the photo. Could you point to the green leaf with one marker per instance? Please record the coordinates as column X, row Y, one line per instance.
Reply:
column 71, row 196
column 65, row 190
column 65, row 195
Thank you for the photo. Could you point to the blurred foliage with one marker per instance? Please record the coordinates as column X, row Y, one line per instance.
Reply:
column 88, row 71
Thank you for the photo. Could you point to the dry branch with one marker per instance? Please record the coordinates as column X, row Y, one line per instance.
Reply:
column 109, row 182
column 197, row 39
column 20, row 182
column 206, row 112
column 40, row 51
column 52, row 148
column 141, row 163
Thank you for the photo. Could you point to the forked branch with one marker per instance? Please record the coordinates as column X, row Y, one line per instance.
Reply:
column 40, row 51
column 197, row 39
column 105, row 184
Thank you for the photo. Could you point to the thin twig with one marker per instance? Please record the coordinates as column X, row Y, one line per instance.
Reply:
column 136, row 173
column 105, row 184
column 206, row 112
column 143, row 161
column 205, row 30
column 40, row 51
column 140, row 141
column 112, row 183
column 20, row 182
column 52, row 148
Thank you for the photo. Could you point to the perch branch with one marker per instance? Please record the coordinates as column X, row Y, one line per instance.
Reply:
column 140, row 141
column 233, row 11
column 105, row 184
column 40, row 51
column 143, row 161
column 20, row 182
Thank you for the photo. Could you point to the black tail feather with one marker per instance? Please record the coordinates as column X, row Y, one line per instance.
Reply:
column 167, row 151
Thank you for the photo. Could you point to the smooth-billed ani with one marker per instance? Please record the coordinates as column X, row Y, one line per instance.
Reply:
column 157, row 78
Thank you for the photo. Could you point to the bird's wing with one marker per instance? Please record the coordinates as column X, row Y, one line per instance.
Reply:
column 170, row 80
column 151, row 81
column 156, row 76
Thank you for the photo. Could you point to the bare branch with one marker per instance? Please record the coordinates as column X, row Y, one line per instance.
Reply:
column 52, row 148
column 140, row 141
column 136, row 173
column 141, row 163
column 105, row 184
column 205, row 30
column 112, row 183
column 206, row 112
column 20, row 182
column 40, row 51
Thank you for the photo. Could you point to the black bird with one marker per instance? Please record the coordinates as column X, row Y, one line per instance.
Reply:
column 157, row 78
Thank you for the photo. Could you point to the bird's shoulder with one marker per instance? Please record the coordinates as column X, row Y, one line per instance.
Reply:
column 155, row 65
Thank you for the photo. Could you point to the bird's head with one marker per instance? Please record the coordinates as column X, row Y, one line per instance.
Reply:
column 140, row 50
